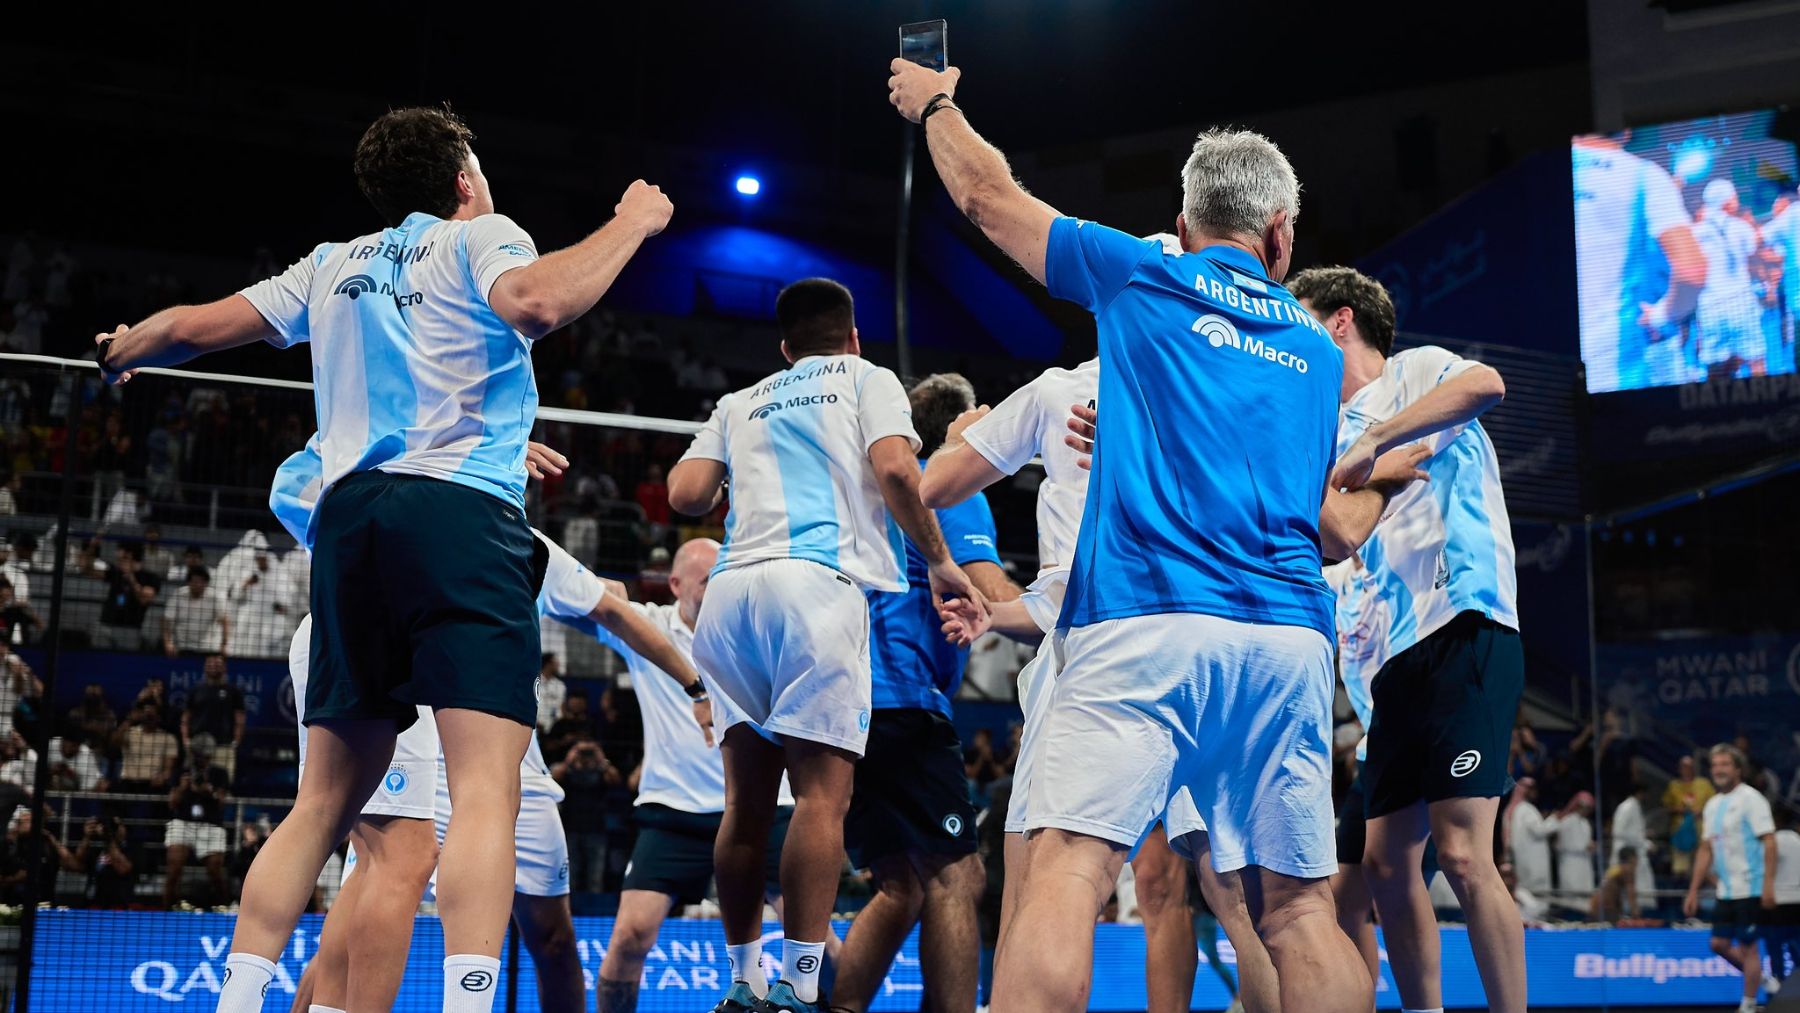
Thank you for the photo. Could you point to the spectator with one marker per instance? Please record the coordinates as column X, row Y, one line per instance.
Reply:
column 191, row 557
column 259, row 597
column 156, row 693
column 1528, row 754
column 167, row 449
column 157, row 557
column 9, row 494
column 20, row 768
column 195, row 621
column 18, row 624
column 586, row 775
column 147, row 754
column 15, row 566
column 979, row 763
column 196, row 824
column 1573, row 841
column 1630, row 829
column 105, row 858
column 93, row 719
column 130, row 591
column 15, row 858
column 1528, row 836
column 1685, row 799
column 574, row 725
column 551, row 692
column 111, row 458
column 1618, row 895
column 1757, row 775
column 1531, row 909
column 653, row 496
column 215, row 714
column 1782, row 926
column 253, row 837
column 73, row 766
column 17, row 684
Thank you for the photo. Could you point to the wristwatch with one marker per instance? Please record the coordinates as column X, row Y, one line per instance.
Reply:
column 695, row 690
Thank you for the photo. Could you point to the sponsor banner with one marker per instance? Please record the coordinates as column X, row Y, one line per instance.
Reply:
column 268, row 693
column 1709, row 691
column 137, row 962
column 1749, row 418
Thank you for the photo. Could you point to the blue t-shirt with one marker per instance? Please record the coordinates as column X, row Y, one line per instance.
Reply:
column 1216, row 439
column 911, row 664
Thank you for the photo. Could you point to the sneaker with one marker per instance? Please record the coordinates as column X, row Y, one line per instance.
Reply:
column 738, row 1000
column 781, row 999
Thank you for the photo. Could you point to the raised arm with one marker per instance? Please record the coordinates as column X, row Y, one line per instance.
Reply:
column 956, row 470
column 621, row 620
column 555, row 290
column 1455, row 402
column 974, row 171
column 179, row 333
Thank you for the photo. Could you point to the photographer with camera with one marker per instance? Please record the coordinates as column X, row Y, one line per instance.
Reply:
column 196, row 824
column 15, row 857
column 109, row 867
column 586, row 775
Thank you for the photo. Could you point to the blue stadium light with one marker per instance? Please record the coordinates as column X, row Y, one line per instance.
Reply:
column 748, row 186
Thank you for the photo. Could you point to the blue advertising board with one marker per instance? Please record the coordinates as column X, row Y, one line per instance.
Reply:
column 137, row 962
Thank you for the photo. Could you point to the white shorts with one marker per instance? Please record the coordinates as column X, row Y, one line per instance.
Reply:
column 202, row 838
column 1237, row 713
column 541, row 848
column 786, row 643
column 1036, row 681
column 410, row 784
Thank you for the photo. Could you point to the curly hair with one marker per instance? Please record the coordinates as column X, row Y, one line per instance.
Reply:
column 408, row 160
column 1330, row 289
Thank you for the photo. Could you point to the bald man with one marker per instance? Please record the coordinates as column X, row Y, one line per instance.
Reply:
column 681, row 788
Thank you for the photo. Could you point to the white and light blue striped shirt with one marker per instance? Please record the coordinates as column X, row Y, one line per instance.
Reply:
column 414, row 373
column 1443, row 546
column 1736, row 822
column 1363, row 621
column 796, row 449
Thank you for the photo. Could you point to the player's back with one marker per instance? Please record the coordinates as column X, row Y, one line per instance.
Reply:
column 796, row 450
column 1033, row 421
column 1727, row 243
column 1220, row 410
column 414, row 372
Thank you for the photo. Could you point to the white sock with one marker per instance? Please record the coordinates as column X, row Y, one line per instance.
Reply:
column 800, row 964
column 316, row 1008
column 246, row 982
column 469, row 983
column 746, row 966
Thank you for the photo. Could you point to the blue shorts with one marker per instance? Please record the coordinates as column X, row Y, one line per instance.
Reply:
column 424, row 594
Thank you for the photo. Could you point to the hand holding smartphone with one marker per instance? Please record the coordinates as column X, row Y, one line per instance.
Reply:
column 924, row 43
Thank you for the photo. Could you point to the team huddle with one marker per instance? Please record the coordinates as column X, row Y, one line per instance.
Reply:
column 1247, row 491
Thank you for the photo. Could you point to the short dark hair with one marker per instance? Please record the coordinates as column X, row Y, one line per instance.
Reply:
column 1627, row 854
column 815, row 316
column 199, row 571
column 408, row 159
column 1330, row 289
column 936, row 402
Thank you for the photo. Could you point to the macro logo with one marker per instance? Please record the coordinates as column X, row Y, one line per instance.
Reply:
column 1220, row 332
column 764, row 411
column 477, row 981
column 1465, row 763
column 355, row 285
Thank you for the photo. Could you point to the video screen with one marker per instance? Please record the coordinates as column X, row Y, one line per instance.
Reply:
column 1687, row 252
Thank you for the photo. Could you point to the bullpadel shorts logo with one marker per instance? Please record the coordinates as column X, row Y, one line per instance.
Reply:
column 1465, row 763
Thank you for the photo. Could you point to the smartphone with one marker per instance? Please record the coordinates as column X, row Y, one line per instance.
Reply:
column 923, row 43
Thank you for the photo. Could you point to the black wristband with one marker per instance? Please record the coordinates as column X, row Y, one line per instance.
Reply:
column 695, row 690
column 939, row 101
column 105, row 347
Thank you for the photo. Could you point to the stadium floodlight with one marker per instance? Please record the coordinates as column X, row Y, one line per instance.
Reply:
column 748, row 186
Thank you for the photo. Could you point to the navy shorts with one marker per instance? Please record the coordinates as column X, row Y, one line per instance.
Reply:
column 1443, row 720
column 912, row 794
column 674, row 852
column 424, row 593
column 1738, row 920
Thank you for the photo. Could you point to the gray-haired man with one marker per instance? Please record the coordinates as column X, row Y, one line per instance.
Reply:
column 1197, row 627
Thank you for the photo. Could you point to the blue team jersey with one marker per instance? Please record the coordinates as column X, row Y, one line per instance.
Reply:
column 1221, row 409
column 911, row 664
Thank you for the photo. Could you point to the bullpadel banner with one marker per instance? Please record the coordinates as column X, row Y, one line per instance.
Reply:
column 130, row 961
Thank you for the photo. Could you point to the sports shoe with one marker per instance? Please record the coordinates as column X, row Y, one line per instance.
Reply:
column 781, row 999
column 738, row 1000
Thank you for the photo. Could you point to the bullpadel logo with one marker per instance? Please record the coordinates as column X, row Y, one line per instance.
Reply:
column 1220, row 332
